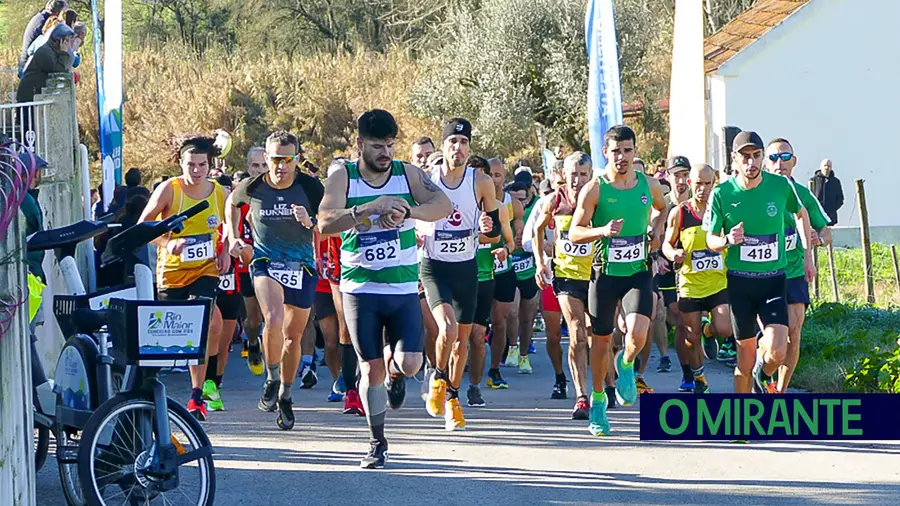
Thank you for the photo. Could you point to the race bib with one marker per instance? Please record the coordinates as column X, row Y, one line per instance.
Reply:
column 378, row 250
column 485, row 245
column 289, row 275
column 453, row 241
column 522, row 263
column 570, row 248
column 501, row 266
column 226, row 282
column 790, row 239
column 197, row 247
column 625, row 250
column 706, row 260
column 759, row 248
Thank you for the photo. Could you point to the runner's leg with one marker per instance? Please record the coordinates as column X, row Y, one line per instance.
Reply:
column 527, row 312
column 573, row 311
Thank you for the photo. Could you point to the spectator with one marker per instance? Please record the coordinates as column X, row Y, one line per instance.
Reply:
column 133, row 179
column 34, row 217
column 33, row 30
column 828, row 191
column 55, row 56
column 69, row 18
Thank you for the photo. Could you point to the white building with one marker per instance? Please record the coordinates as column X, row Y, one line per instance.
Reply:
column 825, row 74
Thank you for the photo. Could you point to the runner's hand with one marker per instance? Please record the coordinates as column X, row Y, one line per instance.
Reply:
column 501, row 254
column 302, row 215
column 542, row 275
column 223, row 262
column 175, row 246
column 385, row 204
column 736, row 236
column 679, row 256
column 392, row 219
column 243, row 251
column 485, row 223
column 809, row 268
column 662, row 264
column 612, row 228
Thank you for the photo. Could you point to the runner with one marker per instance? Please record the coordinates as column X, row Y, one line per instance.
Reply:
column 253, row 319
column 187, row 266
column 327, row 318
column 571, row 271
column 504, row 276
column 379, row 260
column 523, row 264
column 421, row 150
column 448, row 270
column 434, row 160
column 747, row 216
column 702, row 285
column 780, row 159
column 618, row 209
column 283, row 203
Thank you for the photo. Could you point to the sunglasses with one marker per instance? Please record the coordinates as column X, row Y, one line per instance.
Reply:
column 785, row 157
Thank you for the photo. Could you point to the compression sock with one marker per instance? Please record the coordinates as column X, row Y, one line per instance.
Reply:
column 598, row 397
column 686, row 373
column 273, row 372
column 452, row 393
column 284, row 391
column 348, row 366
column 698, row 374
column 376, row 427
column 212, row 366
column 218, row 380
column 374, row 399
column 197, row 395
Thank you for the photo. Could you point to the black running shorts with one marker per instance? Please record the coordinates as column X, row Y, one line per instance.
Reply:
column 572, row 287
column 689, row 305
column 484, row 303
column 453, row 283
column 798, row 291
column 205, row 286
column 303, row 297
column 527, row 288
column 324, row 305
column 230, row 305
column 247, row 285
column 750, row 298
column 370, row 317
column 635, row 292
column 505, row 287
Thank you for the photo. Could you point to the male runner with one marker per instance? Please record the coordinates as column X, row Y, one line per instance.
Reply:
column 283, row 203
column 505, row 281
column 373, row 203
column 327, row 318
column 780, row 159
column 448, row 270
column 747, row 216
column 253, row 319
column 619, row 208
column 523, row 264
column 571, row 272
column 421, row 150
column 702, row 283
column 187, row 266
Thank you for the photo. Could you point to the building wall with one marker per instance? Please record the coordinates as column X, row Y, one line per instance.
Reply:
column 826, row 79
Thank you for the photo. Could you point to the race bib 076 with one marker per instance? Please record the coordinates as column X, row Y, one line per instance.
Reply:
column 289, row 275
column 453, row 241
column 378, row 249
column 759, row 248
column 706, row 260
column 625, row 250
column 570, row 248
column 197, row 247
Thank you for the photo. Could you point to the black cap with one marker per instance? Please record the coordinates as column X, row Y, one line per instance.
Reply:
column 39, row 163
column 746, row 139
column 457, row 126
column 677, row 162
column 524, row 177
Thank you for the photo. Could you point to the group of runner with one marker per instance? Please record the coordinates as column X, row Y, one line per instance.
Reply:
column 441, row 260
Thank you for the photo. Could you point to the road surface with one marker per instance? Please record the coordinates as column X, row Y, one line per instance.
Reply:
column 522, row 448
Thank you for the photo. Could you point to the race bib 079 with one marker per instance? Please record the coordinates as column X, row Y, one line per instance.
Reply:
column 453, row 241
column 289, row 275
column 378, row 249
column 197, row 247
column 226, row 282
column 759, row 248
column 625, row 250
column 570, row 248
column 706, row 260
column 790, row 239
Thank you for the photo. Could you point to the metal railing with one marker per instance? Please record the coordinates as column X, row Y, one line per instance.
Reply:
column 26, row 123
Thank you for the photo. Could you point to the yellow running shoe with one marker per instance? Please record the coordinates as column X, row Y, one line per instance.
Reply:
column 453, row 416
column 437, row 396
column 245, row 353
column 255, row 363
column 642, row 386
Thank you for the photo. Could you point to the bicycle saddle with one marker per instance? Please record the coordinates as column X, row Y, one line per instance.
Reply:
column 88, row 321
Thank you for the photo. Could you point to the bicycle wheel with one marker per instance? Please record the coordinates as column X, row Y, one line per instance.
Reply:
column 41, row 446
column 68, row 469
column 117, row 444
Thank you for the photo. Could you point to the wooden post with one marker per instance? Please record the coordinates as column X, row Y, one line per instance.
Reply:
column 866, row 240
column 896, row 267
column 834, row 284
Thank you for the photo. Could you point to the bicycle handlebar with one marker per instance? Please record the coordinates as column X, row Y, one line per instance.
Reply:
column 127, row 242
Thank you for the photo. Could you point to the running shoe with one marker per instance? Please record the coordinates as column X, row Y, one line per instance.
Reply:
column 731, row 362
column 339, row 387
column 710, row 348
column 335, row 397
column 560, row 390
column 599, row 424
column 512, row 357
column 565, row 330
column 245, row 351
column 353, row 404
column 308, row 378
column 269, row 397
column 474, row 397
column 377, row 455
column 701, row 387
column 495, row 381
column 642, row 386
column 665, row 364
column 437, row 397
column 255, row 362
column 725, row 351
column 198, row 411
column 426, row 382
column 762, row 385
column 531, row 349
column 538, row 325
column 525, row 365
column 396, row 390
column 212, row 397
column 610, row 398
column 285, row 419
column 453, row 416
column 686, row 386
column 705, row 327
column 582, row 410
column 626, row 388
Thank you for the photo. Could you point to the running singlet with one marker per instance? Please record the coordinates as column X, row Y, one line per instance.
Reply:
column 375, row 260
column 277, row 235
column 333, row 269
column 570, row 260
column 523, row 261
column 763, row 212
column 198, row 258
column 485, row 259
column 625, row 254
column 323, row 286
column 793, row 248
column 504, row 266
column 453, row 239
column 703, row 272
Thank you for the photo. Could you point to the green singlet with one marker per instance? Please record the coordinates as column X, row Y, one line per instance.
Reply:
column 625, row 254
column 818, row 218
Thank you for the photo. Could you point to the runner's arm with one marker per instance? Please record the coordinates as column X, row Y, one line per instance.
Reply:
column 672, row 231
column 518, row 222
column 485, row 193
column 223, row 258
column 506, row 231
column 334, row 217
column 581, row 232
column 540, row 227
column 158, row 205
column 432, row 203
column 714, row 225
column 657, row 214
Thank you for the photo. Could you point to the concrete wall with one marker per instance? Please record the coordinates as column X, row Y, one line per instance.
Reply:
column 850, row 237
column 826, row 79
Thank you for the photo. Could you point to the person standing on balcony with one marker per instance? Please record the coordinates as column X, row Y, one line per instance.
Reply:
column 33, row 30
column 55, row 56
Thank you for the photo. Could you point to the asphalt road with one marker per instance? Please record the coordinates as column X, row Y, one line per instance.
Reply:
column 522, row 448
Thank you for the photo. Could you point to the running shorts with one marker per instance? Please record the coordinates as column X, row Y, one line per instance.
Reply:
column 303, row 297
column 549, row 302
column 750, row 298
column 246, row 285
column 230, row 305
column 604, row 293
column 484, row 303
column 572, row 287
column 372, row 316
column 325, row 305
column 668, row 288
column 527, row 288
column 798, row 291
column 205, row 286
column 708, row 303
column 453, row 283
column 505, row 287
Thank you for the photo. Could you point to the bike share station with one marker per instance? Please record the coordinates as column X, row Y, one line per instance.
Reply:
column 120, row 439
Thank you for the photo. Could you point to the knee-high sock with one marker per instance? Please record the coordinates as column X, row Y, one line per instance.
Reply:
column 374, row 399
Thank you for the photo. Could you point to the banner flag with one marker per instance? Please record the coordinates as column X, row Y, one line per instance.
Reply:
column 604, row 97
